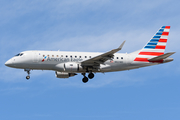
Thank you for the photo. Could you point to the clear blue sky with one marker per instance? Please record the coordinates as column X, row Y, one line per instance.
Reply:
column 150, row 93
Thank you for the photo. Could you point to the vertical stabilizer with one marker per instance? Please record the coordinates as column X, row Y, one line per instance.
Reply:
column 155, row 46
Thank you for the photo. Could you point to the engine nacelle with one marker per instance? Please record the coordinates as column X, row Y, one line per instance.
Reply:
column 64, row 74
column 71, row 67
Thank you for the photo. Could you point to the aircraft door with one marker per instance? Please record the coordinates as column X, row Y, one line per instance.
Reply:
column 128, row 59
column 36, row 57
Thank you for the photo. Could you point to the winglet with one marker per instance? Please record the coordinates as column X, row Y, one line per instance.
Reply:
column 120, row 47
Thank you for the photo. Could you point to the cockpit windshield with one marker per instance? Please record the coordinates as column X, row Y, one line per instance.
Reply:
column 20, row 54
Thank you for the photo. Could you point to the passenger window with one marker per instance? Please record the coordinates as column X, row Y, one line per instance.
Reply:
column 52, row 55
column 75, row 56
column 79, row 56
column 85, row 56
column 48, row 55
column 43, row 55
column 121, row 57
column 61, row 55
column 66, row 56
column 117, row 57
column 89, row 56
column 57, row 55
column 71, row 56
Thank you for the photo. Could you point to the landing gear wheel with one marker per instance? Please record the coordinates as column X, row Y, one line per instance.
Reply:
column 28, row 72
column 91, row 75
column 27, row 77
column 85, row 80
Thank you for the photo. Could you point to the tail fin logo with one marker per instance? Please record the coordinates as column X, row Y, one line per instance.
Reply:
column 155, row 46
column 159, row 40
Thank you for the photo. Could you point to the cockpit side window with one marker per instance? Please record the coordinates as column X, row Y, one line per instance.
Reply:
column 20, row 54
column 17, row 54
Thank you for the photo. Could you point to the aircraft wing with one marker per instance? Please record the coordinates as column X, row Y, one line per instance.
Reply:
column 100, row 59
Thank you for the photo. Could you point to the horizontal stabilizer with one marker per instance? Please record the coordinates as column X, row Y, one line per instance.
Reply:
column 161, row 57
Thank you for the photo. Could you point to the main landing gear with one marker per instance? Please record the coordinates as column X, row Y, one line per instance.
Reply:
column 90, row 76
column 28, row 72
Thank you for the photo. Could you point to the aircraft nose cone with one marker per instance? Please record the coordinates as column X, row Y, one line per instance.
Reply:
column 8, row 63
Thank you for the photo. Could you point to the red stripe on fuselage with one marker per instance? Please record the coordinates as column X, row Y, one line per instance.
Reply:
column 151, row 53
column 146, row 60
column 141, row 59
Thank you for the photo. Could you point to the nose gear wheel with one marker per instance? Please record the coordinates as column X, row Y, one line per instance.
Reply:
column 28, row 72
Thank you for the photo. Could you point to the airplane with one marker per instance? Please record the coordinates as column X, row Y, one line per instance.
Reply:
column 68, row 64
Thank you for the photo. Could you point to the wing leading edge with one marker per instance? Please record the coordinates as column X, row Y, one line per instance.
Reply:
column 100, row 59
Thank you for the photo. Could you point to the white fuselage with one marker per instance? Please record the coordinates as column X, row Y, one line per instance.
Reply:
column 55, row 60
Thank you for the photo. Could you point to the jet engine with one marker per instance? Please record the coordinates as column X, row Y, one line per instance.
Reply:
column 64, row 74
column 69, row 67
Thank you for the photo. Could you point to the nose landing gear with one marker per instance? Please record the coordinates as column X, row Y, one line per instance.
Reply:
column 28, row 72
column 27, row 77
